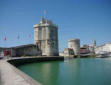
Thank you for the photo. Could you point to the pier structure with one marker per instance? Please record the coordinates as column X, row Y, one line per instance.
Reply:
column 11, row 75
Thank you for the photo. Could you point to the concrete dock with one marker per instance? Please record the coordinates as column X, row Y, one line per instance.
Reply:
column 10, row 75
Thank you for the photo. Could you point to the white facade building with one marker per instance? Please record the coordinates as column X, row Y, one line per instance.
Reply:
column 106, row 48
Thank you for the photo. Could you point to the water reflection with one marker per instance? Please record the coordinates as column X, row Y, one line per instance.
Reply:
column 74, row 72
column 48, row 73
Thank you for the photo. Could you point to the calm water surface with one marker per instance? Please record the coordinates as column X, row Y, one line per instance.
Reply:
column 71, row 72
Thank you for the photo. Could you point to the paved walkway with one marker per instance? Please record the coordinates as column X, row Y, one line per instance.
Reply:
column 10, row 75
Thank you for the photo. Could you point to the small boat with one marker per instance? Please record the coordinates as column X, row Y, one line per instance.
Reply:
column 102, row 55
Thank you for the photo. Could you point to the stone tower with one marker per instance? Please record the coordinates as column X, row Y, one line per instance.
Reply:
column 93, row 46
column 94, row 43
column 46, row 37
column 75, row 45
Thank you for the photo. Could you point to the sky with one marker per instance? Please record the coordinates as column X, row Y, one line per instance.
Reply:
column 87, row 20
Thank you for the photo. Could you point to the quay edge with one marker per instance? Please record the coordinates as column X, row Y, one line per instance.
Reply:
column 10, row 75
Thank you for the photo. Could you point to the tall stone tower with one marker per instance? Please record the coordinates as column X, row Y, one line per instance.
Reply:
column 75, row 45
column 94, row 43
column 46, row 37
column 93, row 46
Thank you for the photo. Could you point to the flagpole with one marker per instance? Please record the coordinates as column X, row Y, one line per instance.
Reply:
column 29, row 38
column 5, row 41
column 44, row 13
column 5, row 45
column 18, row 37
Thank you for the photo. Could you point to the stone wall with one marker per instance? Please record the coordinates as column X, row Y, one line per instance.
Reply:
column 25, row 60
column 27, row 51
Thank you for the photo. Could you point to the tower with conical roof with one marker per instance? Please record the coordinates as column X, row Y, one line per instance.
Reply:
column 94, row 43
column 93, row 46
column 46, row 37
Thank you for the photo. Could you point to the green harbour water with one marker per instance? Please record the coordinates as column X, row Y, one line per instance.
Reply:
column 84, row 71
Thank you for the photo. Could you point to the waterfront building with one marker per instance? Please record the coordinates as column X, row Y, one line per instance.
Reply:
column 68, row 52
column 46, row 37
column 45, row 42
column 106, row 48
column 22, row 50
column 61, row 53
column 91, row 48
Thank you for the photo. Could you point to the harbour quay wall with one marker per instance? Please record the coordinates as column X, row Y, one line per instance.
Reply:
column 11, row 75
column 24, row 60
